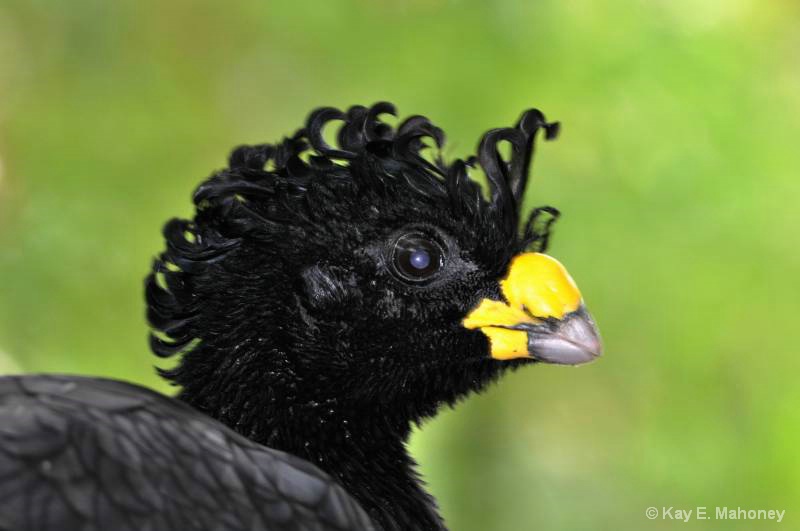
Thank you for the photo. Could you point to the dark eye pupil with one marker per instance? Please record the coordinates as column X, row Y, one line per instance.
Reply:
column 420, row 259
column 416, row 257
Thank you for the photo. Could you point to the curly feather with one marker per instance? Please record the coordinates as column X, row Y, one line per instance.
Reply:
column 273, row 185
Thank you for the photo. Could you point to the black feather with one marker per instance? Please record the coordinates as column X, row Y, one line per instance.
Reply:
column 84, row 453
column 281, row 301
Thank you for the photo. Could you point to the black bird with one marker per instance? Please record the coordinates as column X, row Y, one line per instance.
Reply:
column 323, row 299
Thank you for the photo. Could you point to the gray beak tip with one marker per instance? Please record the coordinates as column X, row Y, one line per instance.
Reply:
column 573, row 340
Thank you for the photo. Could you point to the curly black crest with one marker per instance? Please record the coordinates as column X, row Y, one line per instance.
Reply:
column 275, row 184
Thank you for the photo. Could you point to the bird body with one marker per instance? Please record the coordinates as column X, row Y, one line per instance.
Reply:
column 321, row 302
column 91, row 453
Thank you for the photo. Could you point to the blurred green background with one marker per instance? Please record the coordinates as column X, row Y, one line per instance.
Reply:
column 677, row 173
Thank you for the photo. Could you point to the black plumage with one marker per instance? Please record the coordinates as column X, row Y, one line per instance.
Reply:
column 89, row 453
column 296, row 326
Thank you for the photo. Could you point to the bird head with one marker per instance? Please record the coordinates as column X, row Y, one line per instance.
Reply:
column 363, row 273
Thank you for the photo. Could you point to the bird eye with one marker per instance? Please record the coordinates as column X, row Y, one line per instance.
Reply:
column 416, row 257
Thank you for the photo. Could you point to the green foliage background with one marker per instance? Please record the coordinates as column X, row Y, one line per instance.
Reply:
column 677, row 172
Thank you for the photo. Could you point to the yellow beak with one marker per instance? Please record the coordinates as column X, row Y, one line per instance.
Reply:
column 543, row 316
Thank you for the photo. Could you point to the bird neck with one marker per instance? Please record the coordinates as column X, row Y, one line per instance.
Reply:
column 370, row 460
column 364, row 452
